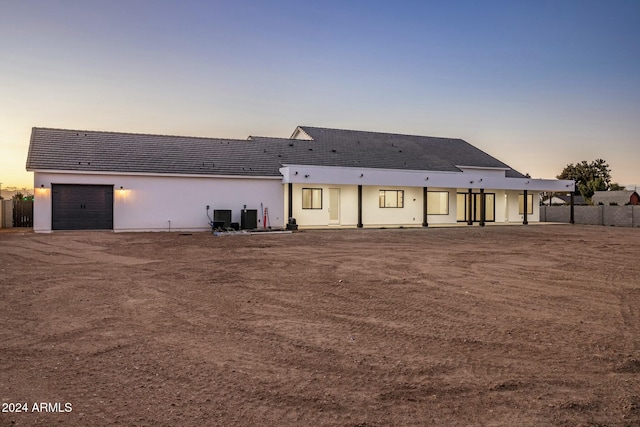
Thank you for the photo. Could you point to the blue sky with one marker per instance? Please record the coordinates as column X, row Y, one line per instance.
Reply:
column 538, row 84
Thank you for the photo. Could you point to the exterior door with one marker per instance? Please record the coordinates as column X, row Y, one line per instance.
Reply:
column 471, row 208
column 334, row 206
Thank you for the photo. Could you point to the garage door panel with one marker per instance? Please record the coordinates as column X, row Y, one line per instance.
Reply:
column 81, row 207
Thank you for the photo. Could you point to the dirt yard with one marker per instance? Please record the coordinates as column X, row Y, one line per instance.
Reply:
column 494, row 326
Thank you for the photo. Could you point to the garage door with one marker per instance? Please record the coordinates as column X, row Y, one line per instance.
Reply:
column 81, row 207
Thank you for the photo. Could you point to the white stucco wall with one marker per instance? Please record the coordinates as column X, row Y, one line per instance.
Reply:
column 148, row 203
column 320, row 217
column 374, row 215
column 506, row 207
column 513, row 211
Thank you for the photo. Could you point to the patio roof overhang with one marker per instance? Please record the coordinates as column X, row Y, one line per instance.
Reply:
column 471, row 178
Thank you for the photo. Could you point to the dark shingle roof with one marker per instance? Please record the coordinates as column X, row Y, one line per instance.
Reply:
column 57, row 149
column 394, row 151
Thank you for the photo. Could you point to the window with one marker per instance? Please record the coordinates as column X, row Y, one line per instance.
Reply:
column 529, row 204
column 489, row 207
column 438, row 203
column 461, row 207
column 312, row 198
column 391, row 198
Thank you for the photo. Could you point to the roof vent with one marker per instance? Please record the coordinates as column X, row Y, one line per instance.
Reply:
column 291, row 144
column 310, row 149
column 333, row 151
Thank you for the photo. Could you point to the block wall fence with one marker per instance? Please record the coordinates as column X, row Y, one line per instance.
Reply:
column 618, row 216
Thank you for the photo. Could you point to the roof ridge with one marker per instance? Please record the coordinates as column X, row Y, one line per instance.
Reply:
column 140, row 134
column 267, row 137
column 382, row 133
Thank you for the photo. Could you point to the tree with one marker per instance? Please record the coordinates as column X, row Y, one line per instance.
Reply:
column 589, row 177
column 616, row 187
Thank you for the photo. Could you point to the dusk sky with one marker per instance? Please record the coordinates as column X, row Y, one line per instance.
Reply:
column 537, row 84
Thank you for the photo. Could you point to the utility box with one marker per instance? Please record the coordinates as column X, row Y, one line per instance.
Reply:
column 248, row 219
column 222, row 215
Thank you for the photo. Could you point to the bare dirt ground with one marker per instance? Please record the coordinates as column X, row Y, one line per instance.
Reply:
column 501, row 326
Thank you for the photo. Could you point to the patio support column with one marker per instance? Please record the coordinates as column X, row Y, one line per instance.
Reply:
column 425, row 222
column 526, row 208
column 482, row 207
column 359, row 206
column 470, row 208
column 290, row 200
column 572, row 219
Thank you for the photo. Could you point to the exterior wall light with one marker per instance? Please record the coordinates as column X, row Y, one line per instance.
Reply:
column 361, row 175
column 306, row 176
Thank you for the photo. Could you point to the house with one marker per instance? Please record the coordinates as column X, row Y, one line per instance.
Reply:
column 321, row 177
column 564, row 199
column 623, row 197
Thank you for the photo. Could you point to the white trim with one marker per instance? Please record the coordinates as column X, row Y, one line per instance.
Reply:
column 301, row 174
column 298, row 131
column 180, row 175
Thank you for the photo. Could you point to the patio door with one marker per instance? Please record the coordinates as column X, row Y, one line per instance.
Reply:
column 469, row 208
column 334, row 206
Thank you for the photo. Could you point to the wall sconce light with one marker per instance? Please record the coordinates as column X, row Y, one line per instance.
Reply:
column 480, row 180
column 306, row 176
column 121, row 189
column 296, row 173
column 526, row 183
column 361, row 175
column 471, row 182
column 42, row 186
column 426, row 179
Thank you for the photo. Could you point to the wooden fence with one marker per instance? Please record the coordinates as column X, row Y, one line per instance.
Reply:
column 23, row 213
